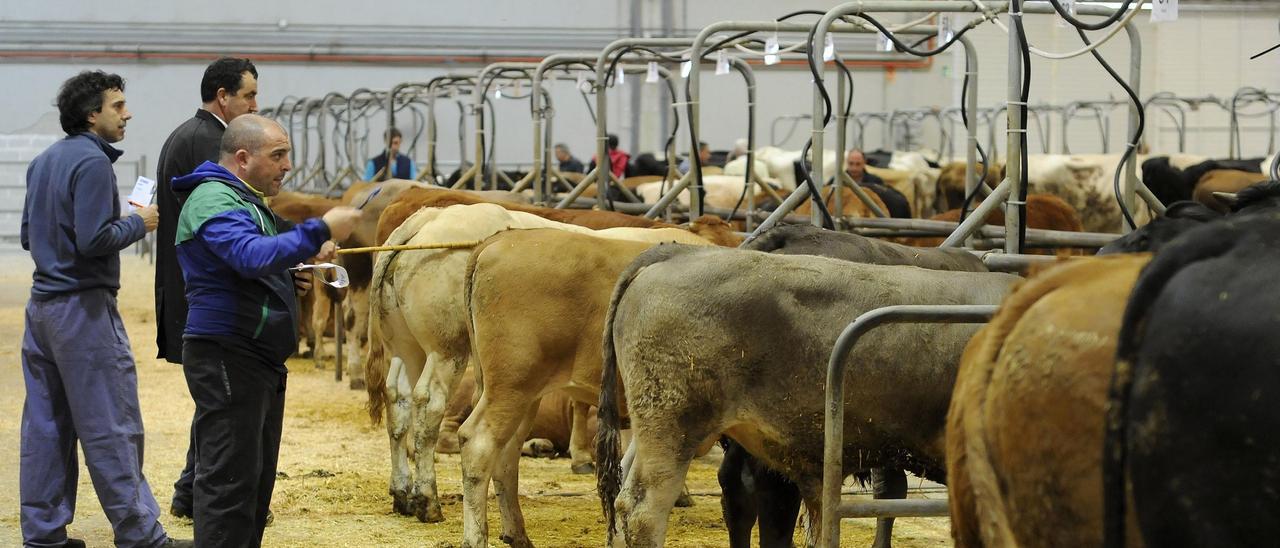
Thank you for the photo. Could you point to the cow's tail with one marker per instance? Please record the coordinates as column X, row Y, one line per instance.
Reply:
column 1208, row 242
column 609, row 413
column 376, row 363
column 468, row 287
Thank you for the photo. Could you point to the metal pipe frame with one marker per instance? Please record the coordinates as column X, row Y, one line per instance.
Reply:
column 833, row 508
column 484, row 78
column 452, row 82
column 802, row 191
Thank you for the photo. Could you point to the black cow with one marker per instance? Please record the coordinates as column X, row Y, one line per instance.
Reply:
column 1191, row 430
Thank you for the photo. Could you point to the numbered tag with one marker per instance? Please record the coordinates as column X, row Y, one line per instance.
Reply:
column 722, row 63
column 1164, row 10
column 771, row 50
column 622, row 77
column 685, row 67
column 582, row 84
column 829, row 49
column 944, row 28
column 1068, row 6
column 883, row 43
column 651, row 75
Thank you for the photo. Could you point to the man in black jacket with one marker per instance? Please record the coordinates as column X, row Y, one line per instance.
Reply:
column 855, row 164
column 229, row 88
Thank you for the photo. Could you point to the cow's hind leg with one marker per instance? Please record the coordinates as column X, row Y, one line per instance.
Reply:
column 887, row 483
column 430, row 395
column 506, row 484
column 486, row 436
column 398, row 420
column 653, row 483
column 779, row 502
column 356, row 324
column 580, row 440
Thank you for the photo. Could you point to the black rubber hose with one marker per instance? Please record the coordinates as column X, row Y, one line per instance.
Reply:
column 1057, row 6
column 1133, row 139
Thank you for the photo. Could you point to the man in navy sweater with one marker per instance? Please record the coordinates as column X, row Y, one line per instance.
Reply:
column 241, row 317
column 79, row 372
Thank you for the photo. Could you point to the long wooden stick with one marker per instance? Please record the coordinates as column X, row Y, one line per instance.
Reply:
column 410, row 247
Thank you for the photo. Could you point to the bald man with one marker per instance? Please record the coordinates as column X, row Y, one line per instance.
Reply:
column 242, row 309
column 855, row 164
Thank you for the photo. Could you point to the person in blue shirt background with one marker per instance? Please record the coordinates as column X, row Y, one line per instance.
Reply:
column 80, row 377
column 403, row 168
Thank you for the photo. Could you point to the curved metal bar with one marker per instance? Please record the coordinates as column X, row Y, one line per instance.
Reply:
column 833, row 446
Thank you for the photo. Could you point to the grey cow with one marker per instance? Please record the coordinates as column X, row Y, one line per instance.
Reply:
column 707, row 341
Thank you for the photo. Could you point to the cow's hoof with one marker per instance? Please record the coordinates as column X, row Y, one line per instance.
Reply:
column 356, row 384
column 425, row 509
column 400, row 504
column 305, row 353
column 684, row 501
column 522, row 542
column 583, row 468
column 538, row 448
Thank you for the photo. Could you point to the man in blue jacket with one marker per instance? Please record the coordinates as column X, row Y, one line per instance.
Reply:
column 242, row 311
column 79, row 372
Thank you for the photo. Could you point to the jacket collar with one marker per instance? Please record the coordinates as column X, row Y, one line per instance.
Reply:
column 112, row 153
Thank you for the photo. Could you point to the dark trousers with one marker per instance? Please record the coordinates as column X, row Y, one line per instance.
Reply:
column 239, row 413
column 182, row 488
column 81, row 386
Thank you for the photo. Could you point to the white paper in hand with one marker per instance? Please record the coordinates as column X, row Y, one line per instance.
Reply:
column 340, row 279
column 143, row 190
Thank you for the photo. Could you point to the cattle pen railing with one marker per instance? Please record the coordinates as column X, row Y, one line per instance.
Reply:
column 834, row 507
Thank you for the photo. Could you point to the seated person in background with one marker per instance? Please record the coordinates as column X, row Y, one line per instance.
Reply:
column 855, row 164
column 568, row 164
column 704, row 156
column 618, row 160
column 404, row 168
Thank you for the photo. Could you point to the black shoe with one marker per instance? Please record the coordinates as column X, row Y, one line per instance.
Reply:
column 73, row 543
column 179, row 543
column 179, row 511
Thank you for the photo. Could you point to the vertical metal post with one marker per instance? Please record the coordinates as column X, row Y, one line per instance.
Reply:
column 971, row 181
column 1015, row 129
column 1130, row 182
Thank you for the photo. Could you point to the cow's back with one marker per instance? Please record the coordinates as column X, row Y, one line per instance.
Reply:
column 811, row 240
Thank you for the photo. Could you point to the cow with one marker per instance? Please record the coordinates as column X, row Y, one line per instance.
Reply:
column 951, row 182
column 1025, row 427
column 751, row 491
column 683, row 338
column 418, row 319
column 722, row 191
column 1174, row 178
column 1044, row 211
column 561, row 427
column 1224, row 180
column 1192, row 409
column 1185, row 215
column 528, row 340
column 314, row 319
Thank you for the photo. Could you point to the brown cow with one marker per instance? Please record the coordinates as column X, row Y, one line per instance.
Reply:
column 528, row 341
column 1044, row 211
column 566, row 427
column 1025, row 426
column 1224, row 180
column 951, row 182
column 851, row 205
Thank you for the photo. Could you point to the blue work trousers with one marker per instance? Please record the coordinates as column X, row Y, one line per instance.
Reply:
column 82, row 385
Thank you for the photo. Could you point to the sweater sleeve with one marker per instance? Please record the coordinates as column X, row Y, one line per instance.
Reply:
column 236, row 239
column 98, row 231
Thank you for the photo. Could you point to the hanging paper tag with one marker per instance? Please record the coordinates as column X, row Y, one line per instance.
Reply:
column 944, row 28
column 829, row 49
column 497, row 93
column 622, row 78
column 883, row 43
column 1164, row 10
column 651, row 76
column 581, row 84
column 1068, row 6
column 722, row 63
column 685, row 67
column 771, row 50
